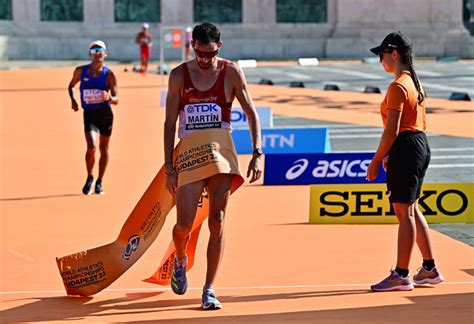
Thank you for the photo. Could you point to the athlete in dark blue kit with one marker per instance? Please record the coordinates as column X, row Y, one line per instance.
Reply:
column 98, row 91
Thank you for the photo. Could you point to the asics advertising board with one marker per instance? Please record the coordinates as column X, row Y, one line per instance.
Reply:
column 238, row 119
column 303, row 169
column 369, row 204
column 284, row 140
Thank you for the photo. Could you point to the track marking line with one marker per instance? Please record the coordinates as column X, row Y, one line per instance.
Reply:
column 221, row 288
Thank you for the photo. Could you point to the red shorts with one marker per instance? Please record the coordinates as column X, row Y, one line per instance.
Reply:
column 144, row 53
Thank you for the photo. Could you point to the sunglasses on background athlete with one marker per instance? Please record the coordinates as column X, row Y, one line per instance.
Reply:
column 96, row 50
column 382, row 53
column 202, row 54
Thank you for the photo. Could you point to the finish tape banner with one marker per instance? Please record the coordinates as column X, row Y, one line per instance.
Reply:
column 369, row 204
column 303, row 169
column 238, row 118
column 285, row 140
column 87, row 272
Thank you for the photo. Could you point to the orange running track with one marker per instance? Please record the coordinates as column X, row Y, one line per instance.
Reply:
column 276, row 268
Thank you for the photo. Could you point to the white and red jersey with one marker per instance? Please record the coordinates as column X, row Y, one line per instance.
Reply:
column 200, row 110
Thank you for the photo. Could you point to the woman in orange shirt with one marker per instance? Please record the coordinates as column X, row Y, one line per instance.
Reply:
column 405, row 142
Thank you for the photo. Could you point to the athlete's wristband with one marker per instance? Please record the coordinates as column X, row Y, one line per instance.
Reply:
column 113, row 98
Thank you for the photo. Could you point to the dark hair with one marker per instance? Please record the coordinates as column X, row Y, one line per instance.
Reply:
column 206, row 33
column 407, row 60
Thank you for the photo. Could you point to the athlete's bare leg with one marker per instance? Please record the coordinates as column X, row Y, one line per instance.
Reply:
column 422, row 234
column 187, row 199
column 219, row 191
column 104, row 154
column 406, row 232
column 91, row 139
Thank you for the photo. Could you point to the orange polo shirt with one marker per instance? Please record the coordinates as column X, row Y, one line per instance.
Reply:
column 402, row 95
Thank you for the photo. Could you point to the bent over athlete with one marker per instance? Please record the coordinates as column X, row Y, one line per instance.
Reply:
column 96, row 82
column 200, row 94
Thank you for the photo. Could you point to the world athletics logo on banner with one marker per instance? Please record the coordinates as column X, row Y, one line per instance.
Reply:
column 304, row 169
column 284, row 140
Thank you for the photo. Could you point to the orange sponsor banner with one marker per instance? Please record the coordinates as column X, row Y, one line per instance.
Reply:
column 88, row 272
column 162, row 275
column 198, row 156
column 177, row 38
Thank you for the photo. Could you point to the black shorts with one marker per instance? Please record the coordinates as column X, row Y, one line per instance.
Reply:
column 99, row 120
column 408, row 161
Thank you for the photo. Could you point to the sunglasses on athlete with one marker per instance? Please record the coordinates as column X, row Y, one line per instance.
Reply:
column 96, row 50
column 382, row 53
column 202, row 54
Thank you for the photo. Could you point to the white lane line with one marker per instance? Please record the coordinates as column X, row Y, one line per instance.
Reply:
column 341, row 84
column 272, row 71
column 298, row 75
column 313, row 125
column 351, row 73
column 219, row 288
column 441, row 149
column 365, row 136
column 356, row 130
column 452, row 149
column 447, row 88
column 428, row 73
column 448, row 157
column 445, row 166
column 470, row 79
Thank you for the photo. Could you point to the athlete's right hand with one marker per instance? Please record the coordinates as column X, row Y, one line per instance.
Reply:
column 172, row 182
column 105, row 96
column 74, row 105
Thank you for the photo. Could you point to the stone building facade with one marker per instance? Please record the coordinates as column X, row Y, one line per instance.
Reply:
column 260, row 29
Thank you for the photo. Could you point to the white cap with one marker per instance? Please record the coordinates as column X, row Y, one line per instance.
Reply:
column 146, row 26
column 98, row 43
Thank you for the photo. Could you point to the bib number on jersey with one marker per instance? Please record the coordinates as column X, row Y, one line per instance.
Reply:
column 92, row 96
column 201, row 116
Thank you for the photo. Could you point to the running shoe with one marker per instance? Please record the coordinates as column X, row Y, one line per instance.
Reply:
column 424, row 276
column 87, row 187
column 209, row 300
column 393, row 282
column 98, row 187
column 179, row 282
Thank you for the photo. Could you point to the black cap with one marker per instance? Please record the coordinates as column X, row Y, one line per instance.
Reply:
column 393, row 41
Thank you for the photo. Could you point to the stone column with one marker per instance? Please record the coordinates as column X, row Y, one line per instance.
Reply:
column 100, row 12
column 259, row 11
column 177, row 12
column 26, row 11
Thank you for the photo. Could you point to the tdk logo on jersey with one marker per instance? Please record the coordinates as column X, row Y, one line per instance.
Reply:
column 202, row 108
column 332, row 168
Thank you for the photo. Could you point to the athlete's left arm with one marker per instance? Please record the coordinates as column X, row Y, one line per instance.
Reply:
column 112, row 85
column 237, row 78
column 389, row 135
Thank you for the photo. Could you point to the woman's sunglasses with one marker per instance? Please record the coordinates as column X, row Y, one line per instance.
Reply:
column 382, row 53
column 202, row 54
